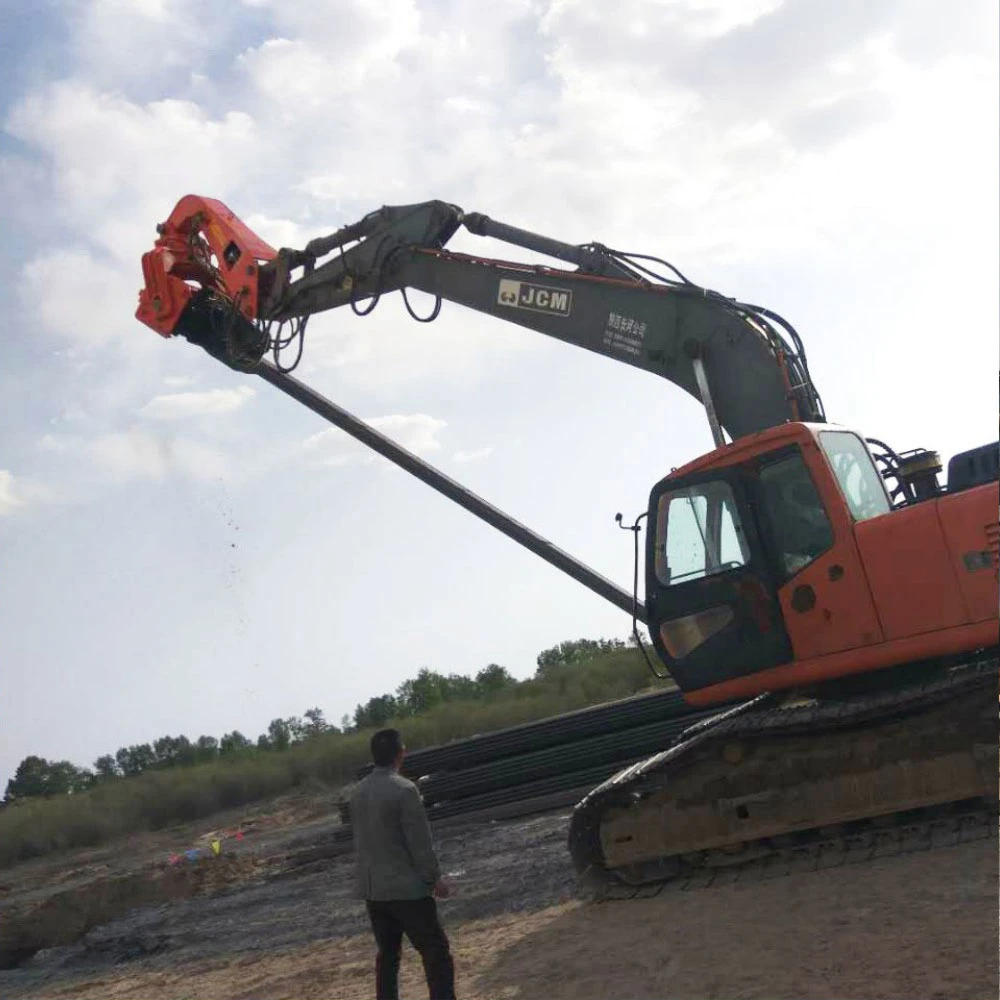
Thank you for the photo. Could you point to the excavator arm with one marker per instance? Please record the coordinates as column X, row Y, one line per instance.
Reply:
column 210, row 279
column 731, row 356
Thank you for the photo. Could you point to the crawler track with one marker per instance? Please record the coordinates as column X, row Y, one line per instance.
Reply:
column 761, row 789
column 864, row 841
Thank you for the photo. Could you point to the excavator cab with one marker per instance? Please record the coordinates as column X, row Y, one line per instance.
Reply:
column 779, row 562
column 734, row 540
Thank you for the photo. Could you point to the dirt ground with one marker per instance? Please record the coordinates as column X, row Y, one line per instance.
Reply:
column 917, row 925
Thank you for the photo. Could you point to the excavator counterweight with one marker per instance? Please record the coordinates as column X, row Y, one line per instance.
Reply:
column 834, row 600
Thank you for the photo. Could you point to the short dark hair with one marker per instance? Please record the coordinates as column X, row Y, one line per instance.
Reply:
column 386, row 745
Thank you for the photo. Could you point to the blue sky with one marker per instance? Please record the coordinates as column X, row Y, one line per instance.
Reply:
column 183, row 550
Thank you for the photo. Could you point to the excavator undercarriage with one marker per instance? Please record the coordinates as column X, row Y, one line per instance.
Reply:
column 766, row 784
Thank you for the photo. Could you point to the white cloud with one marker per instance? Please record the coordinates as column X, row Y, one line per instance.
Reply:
column 131, row 454
column 316, row 60
column 119, row 166
column 417, row 432
column 276, row 233
column 58, row 444
column 80, row 299
column 109, row 38
column 135, row 454
column 179, row 381
column 179, row 405
column 465, row 104
column 9, row 500
column 364, row 33
column 200, row 461
column 710, row 18
column 325, row 187
column 293, row 75
column 18, row 493
column 475, row 455
column 674, row 107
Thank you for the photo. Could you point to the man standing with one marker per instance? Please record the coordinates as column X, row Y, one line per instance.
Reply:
column 397, row 872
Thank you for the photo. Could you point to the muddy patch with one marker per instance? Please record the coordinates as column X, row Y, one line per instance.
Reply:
column 65, row 916
column 225, row 907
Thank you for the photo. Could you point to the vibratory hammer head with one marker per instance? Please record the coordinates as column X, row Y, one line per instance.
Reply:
column 214, row 323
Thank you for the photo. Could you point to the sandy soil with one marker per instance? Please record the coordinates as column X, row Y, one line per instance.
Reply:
column 918, row 925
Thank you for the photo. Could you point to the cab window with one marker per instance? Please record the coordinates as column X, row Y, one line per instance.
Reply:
column 855, row 470
column 699, row 533
column 798, row 522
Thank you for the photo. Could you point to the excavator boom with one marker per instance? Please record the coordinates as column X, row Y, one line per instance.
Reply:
column 731, row 356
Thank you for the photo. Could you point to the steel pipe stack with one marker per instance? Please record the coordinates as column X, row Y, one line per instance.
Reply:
column 545, row 764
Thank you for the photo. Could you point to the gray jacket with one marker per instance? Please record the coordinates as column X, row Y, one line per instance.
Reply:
column 393, row 850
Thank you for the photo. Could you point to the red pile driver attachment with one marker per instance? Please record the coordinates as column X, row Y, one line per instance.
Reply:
column 203, row 282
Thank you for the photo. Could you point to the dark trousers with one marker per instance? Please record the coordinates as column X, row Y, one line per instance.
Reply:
column 418, row 920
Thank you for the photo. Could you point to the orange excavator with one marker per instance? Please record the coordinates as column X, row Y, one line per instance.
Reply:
column 833, row 598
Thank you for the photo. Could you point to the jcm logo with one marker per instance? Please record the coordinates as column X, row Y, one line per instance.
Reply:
column 540, row 298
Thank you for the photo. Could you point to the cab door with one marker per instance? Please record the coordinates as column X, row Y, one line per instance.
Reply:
column 711, row 601
column 809, row 528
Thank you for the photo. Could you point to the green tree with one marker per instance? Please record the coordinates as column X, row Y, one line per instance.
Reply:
column 135, row 759
column 174, row 751
column 421, row 693
column 82, row 779
column 315, row 724
column 279, row 736
column 63, row 778
column 30, row 779
column 573, row 652
column 377, row 712
column 106, row 767
column 233, row 742
column 297, row 729
column 493, row 680
column 206, row 749
column 458, row 687
column 36, row 777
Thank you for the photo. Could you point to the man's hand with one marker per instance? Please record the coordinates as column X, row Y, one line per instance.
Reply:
column 441, row 889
